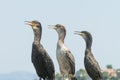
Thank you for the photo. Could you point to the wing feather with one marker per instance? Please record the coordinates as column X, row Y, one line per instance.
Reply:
column 71, row 61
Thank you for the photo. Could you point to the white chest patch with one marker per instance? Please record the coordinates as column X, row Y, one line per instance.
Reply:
column 61, row 55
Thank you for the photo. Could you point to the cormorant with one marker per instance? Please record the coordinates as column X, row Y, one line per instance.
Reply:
column 41, row 60
column 91, row 65
column 65, row 58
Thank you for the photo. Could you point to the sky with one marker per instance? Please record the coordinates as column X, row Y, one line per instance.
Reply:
column 99, row 17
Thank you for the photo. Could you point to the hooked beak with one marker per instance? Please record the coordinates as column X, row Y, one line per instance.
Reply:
column 51, row 27
column 28, row 23
column 78, row 33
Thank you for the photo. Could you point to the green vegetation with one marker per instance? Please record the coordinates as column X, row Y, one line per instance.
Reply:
column 109, row 73
column 109, row 66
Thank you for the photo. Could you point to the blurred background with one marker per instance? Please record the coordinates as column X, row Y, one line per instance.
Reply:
column 100, row 18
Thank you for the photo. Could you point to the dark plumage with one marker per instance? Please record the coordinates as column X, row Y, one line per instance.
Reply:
column 41, row 60
column 64, row 56
column 91, row 65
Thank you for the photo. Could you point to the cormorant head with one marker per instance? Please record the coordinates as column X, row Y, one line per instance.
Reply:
column 34, row 24
column 86, row 35
column 59, row 28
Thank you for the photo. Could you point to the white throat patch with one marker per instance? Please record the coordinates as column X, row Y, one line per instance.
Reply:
column 34, row 27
